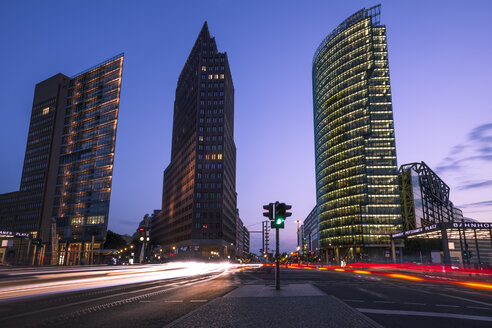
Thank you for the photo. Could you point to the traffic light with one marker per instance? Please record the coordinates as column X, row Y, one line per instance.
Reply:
column 269, row 211
column 37, row 242
column 281, row 214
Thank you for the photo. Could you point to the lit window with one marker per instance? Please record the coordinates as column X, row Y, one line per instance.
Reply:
column 210, row 76
column 204, row 68
column 97, row 219
column 216, row 76
column 219, row 156
column 46, row 110
column 221, row 76
column 78, row 220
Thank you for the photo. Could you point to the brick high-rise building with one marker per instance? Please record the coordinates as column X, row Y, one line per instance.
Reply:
column 68, row 164
column 198, row 217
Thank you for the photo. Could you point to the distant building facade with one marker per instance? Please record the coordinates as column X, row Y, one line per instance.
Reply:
column 310, row 231
column 198, row 217
column 356, row 169
column 66, row 180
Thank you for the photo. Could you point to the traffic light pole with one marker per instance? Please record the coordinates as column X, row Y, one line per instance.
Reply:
column 277, row 260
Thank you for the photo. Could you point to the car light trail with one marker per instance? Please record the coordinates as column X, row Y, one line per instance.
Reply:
column 107, row 278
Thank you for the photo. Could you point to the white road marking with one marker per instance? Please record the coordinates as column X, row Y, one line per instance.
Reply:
column 174, row 301
column 386, row 302
column 146, row 301
column 410, row 303
column 360, row 301
column 478, row 307
column 447, row 305
column 198, row 301
column 427, row 314
column 466, row 299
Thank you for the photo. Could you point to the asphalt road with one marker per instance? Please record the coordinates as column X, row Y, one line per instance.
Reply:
column 387, row 301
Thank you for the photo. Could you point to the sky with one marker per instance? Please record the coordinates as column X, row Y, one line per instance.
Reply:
column 439, row 57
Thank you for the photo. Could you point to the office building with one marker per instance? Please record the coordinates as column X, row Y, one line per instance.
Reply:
column 65, row 187
column 198, row 217
column 310, row 232
column 356, row 170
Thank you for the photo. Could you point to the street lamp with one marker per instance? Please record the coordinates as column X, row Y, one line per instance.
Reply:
column 298, row 245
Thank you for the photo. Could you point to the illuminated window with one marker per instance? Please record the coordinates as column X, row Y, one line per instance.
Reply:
column 204, row 68
column 97, row 219
column 46, row 110
column 221, row 76
column 78, row 220
column 216, row 76
column 219, row 156
column 210, row 76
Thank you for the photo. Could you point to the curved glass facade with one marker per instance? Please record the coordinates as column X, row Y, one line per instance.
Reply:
column 356, row 170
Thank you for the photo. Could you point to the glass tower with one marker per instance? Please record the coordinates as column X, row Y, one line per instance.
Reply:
column 68, row 166
column 356, row 170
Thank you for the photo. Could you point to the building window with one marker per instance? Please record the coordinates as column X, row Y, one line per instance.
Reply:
column 210, row 76
column 204, row 68
column 221, row 76
column 219, row 156
column 46, row 110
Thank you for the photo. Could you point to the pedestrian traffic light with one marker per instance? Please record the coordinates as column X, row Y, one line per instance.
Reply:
column 269, row 211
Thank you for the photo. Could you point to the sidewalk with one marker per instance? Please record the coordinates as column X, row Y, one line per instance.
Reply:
column 295, row 305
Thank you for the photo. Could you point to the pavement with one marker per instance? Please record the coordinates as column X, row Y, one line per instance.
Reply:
column 294, row 305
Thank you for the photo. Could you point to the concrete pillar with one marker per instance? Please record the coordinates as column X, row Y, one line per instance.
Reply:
column 393, row 251
column 445, row 246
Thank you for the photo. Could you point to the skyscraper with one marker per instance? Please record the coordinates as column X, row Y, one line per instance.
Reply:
column 356, row 169
column 198, row 217
column 68, row 165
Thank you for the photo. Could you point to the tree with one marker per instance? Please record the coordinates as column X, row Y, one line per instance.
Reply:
column 114, row 241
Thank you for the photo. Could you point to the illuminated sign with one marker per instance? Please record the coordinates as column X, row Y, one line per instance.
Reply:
column 15, row 234
column 445, row 225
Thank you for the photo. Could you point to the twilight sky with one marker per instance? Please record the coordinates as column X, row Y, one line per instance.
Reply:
column 440, row 67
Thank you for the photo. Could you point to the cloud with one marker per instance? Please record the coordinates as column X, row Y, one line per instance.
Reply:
column 476, row 148
column 480, row 133
column 476, row 185
column 477, row 204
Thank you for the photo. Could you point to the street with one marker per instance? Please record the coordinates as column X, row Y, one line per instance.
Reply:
column 232, row 296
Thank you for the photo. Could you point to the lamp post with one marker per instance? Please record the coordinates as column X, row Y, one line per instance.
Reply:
column 298, row 246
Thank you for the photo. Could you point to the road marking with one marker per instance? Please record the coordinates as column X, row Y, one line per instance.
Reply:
column 447, row 305
column 478, row 307
column 360, row 301
column 198, row 301
column 174, row 301
column 387, row 302
column 410, row 303
column 146, row 301
column 427, row 314
column 466, row 299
